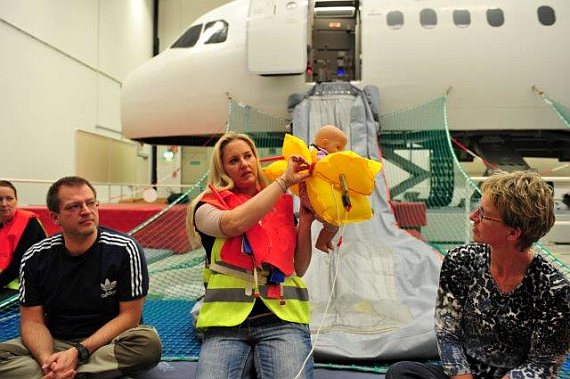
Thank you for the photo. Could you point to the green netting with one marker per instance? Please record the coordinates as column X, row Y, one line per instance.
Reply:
column 175, row 267
column 562, row 111
column 430, row 192
column 431, row 196
column 267, row 131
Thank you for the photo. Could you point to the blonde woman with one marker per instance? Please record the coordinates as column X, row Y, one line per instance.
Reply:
column 256, row 307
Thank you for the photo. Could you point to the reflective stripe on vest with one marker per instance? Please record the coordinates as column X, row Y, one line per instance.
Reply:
column 227, row 304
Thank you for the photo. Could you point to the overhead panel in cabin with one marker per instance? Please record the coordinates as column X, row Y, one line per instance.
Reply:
column 277, row 37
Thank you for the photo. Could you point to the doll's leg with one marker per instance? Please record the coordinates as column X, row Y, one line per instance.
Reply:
column 324, row 240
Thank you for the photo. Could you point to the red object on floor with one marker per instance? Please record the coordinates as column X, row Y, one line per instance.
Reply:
column 121, row 217
column 410, row 214
column 166, row 232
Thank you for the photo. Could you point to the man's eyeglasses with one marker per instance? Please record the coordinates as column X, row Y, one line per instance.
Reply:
column 481, row 215
column 77, row 207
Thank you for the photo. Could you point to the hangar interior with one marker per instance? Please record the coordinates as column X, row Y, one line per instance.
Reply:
column 63, row 68
column 63, row 71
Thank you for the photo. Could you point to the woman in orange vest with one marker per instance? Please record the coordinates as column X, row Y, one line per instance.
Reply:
column 19, row 229
column 256, row 310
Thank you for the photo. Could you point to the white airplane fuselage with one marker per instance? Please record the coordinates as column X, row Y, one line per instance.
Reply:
column 491, row 69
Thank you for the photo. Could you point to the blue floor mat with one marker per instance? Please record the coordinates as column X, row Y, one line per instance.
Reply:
column 9, row 323
column 173, row 321
column 171, row 318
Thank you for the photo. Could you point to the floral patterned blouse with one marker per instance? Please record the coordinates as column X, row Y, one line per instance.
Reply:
column 480, row 330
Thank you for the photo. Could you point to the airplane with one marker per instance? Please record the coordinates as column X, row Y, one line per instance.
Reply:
column 489, row 52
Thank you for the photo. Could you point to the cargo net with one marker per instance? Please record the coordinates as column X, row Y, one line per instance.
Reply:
column 431, row 194
column 562, row 111
column 175, row 267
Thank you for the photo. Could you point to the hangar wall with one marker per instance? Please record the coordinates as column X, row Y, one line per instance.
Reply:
column 61, row 69
column 62, row 66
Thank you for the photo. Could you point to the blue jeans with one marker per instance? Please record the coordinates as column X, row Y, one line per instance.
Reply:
column 276, row 348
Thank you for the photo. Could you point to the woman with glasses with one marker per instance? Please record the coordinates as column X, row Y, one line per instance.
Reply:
column 502, row 310
column 19, row 229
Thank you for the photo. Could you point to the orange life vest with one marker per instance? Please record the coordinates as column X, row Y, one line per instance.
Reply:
column 10, row 235
column 272, row 239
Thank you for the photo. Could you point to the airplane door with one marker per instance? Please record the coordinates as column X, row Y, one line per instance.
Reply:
column 277, row 37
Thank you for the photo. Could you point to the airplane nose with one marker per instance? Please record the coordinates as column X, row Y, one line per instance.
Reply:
column 155, row 105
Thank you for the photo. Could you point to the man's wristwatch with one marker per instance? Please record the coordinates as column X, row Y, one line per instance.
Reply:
column 83, row 353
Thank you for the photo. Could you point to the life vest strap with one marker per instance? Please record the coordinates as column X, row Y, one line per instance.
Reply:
column 233, row 295
column 237, row 273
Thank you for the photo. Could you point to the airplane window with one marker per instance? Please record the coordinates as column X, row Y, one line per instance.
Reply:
column 215, row 32
column 428, row 18
column 495, row 17
column 395, row 19
column 189, row 38
column 546, row 15
column 461, row 18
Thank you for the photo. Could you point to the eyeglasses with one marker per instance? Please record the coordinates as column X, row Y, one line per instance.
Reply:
column 77, row 207
column 481, row 215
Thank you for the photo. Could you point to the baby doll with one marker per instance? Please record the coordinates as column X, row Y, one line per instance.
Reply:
column 328, row 139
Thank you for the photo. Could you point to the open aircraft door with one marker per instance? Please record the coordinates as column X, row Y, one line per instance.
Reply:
column 277, row 37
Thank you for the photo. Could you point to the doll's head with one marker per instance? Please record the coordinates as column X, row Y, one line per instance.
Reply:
column 330, row 138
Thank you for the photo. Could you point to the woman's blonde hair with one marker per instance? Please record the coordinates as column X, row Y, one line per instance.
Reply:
column 219, row 179
column 525, row 201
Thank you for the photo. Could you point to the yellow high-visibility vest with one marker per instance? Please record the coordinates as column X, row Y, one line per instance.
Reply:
column 228, row 302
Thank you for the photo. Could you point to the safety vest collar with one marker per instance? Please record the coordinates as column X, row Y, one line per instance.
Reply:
column 272, row 240
column 11, row 233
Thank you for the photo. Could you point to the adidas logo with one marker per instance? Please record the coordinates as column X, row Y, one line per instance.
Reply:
column 108, row 288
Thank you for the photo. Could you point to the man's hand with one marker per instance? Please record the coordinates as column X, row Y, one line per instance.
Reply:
column 61, row 365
